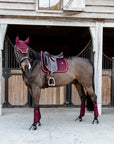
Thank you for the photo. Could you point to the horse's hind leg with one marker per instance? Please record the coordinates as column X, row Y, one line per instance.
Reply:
column 93, row 96
column 83, row 98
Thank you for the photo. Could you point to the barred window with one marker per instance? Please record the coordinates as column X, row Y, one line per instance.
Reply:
column 49, row 4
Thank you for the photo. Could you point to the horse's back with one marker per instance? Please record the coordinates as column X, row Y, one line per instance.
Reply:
column 80, row 62
column 82, row 68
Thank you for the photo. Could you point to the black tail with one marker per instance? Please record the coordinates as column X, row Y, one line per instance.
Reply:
column 89, row 103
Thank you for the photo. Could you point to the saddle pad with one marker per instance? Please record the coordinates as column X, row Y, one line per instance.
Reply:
column 61, row 63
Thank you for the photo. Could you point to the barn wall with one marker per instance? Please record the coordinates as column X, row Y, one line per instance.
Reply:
column 95, row 13
column 96, row 9
column 100, row 6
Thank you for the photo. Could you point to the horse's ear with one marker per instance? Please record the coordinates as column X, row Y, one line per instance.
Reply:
column 27, row 40
column 17, row 40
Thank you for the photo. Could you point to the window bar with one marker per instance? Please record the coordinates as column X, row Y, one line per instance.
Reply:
column 38, row 4
column 60, row 5
column 49, row 4
column 10, row 59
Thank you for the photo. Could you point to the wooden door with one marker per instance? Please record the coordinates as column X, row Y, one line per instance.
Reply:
column 18, row 92
column 106, row 87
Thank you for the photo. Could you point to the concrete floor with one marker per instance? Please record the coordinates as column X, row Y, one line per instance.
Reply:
column 58, row 127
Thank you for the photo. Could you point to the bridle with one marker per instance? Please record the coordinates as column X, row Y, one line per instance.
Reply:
column 17, row 56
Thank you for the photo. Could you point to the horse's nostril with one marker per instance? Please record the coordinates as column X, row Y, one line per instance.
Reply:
column 26, row 67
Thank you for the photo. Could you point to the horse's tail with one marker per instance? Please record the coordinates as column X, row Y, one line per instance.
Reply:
column 89, row 103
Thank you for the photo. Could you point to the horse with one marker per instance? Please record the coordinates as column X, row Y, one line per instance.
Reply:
column 80, row 72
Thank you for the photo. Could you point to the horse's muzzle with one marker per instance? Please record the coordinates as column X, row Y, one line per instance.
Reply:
column 26, row 67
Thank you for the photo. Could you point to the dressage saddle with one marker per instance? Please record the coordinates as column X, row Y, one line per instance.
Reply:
column 50, row 62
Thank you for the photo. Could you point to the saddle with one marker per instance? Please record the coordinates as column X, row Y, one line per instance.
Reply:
column 53, row 63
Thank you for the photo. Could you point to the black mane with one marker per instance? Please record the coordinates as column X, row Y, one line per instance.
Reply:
column 34, row 54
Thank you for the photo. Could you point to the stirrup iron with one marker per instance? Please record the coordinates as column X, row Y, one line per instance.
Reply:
column 51, row 81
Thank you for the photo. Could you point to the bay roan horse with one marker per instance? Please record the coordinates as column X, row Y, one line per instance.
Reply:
column 80, row 73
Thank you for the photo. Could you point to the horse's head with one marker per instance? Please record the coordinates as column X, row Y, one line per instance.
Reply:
column 22, row 54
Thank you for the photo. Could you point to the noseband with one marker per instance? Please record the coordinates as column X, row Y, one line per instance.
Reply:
column 17, row 56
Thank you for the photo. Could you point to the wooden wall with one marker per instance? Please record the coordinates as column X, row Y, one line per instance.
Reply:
column 92, row 9
column 106, row 88
column 18, row 5
column 99, row 6
column 53, row 96
column 18, row 92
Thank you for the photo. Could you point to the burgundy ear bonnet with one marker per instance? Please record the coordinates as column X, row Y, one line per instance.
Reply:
column 22, row 45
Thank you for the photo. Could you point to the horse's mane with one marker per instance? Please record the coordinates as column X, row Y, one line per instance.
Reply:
column 34, row 54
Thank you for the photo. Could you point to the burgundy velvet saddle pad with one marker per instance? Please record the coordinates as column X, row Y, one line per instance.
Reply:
column 61, row 63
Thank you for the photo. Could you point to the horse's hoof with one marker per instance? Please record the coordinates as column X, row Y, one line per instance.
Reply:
column 95, row 121
column 39, row 123
column 33, row 126
column 79, row 118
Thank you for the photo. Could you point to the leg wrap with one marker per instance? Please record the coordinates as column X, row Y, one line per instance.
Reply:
column 37, row 115
column 82, row 110
column 95, row 110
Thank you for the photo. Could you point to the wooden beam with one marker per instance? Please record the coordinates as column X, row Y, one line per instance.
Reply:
column 99, row 9
column 19, row 1
column 3, row 28
column 19, row 6
column 97, row 38
column 100, row 2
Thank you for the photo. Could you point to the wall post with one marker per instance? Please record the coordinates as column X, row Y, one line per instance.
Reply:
column 112, row 83
column 97, row 41
column 3, row 28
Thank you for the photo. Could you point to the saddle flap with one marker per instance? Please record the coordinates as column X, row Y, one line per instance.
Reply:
column 52, row 65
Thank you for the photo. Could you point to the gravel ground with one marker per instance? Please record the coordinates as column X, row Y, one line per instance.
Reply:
column 58, row 127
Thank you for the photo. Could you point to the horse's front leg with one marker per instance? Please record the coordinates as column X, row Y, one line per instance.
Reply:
column 37, row 117
column 37, row 114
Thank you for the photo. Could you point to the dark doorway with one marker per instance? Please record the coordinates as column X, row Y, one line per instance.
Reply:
column 70, row 40
column 54, row 39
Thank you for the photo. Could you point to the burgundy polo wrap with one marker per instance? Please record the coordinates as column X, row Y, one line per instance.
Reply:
column 82, row 110
column 37, row 115
column 95, row 110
